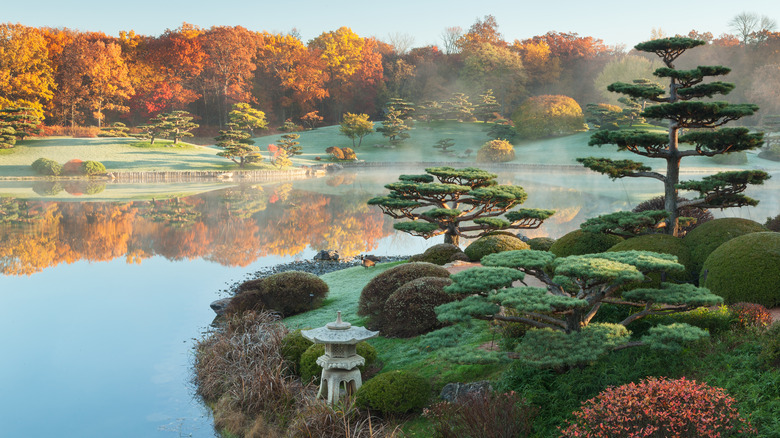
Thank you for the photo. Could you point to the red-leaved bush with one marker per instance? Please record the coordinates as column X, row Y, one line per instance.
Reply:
column 750, row 315
column 72, row 167
column 659, row 408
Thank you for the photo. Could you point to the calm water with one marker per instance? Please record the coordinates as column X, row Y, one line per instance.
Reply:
column 102, row 300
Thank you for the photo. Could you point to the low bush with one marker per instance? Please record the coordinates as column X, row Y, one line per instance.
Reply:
column 292, row 348
column 580, row 242
column 288, row 293
column 548, row 116
column 73, row 167
column 309, row 370
column 73, row 131
column 44, row 166
column 47, row 188
column 731, row 158
column 91, row 168
column 715, row 320
column 492, row 244
column 394, row 392
column 378, row 290
column 659, row 407
column 540, row 243
column 773, row 223
column 745, row 268
column 747, row 315
column 482, row 414
column 496, row 151
column 440, row 254
column 409, row 311
column 769, row 356
column 703, row 240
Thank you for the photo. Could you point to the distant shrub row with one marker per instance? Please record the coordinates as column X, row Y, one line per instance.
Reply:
column 44, row 166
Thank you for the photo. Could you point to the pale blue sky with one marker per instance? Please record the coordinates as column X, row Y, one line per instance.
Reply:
column 616, row 22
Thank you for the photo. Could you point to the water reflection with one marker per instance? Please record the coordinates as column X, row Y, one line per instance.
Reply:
column 232, row 227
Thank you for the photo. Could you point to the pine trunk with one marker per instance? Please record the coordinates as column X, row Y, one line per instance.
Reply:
column 671, row 181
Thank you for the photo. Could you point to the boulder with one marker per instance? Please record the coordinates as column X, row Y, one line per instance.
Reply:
column 453, row 391
column 219, row 306
column 330, row 255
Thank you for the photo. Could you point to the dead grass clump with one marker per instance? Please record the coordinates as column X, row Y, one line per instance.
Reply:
column 317, row 419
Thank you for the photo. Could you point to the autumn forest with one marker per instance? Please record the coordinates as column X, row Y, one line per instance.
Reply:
column 81, row 78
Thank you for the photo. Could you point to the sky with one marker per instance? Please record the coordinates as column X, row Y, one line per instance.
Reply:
column 615, row 22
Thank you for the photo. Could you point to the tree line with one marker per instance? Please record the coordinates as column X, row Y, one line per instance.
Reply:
column 75, row 78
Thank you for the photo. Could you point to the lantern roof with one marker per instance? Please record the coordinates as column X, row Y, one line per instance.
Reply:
column 338, row 332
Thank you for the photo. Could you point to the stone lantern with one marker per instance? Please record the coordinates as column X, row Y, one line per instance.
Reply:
column 340, row 361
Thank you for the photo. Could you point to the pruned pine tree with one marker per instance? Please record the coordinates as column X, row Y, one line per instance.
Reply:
column 174, row 126
column 238, row 145
column 575, row 289
column 22, row 120
column 702, row 120
column 487, row 107
column 460, row 203
column 394, row 127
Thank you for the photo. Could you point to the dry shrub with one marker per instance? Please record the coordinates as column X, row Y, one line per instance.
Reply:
column 72, row 131
column 316, row 419
column 241, row 367
column 483, row 414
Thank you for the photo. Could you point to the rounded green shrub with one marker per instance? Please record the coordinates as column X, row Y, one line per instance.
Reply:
column 708, row 236
column 292, row 348
column 493, row 243
column 309, row 370
column 496, row 151
column 663, row 243
column 580, row 242
column 47, row 188
column 409, row 311
column 288, row 293
column 378, row 290
column 92, row 168
column 746, row 268
column 548, row 116
column 394, row 392
column 541, row 243
column 440, row 254
column 45, row 166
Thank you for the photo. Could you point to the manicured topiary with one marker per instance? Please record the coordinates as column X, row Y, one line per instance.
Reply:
column 663, row 243
column 746, row 315
column 378, row 290
column 659, row 407
column 708, row 236
column 72, row 167
column 308, row 364
column 92, row 168
column 496, row 151
column 394, row 392
column 746, row 268
column 293, row 346
column 44, row 166
column 580, row 242
column 288, row 293
column 409, row 310
column 440, row 254
column 541, row 243
column 492, row 244
column 548, row 116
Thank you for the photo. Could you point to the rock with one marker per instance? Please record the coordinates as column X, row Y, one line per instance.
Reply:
column 327, row 255
column 219, row 306
column 453, row 391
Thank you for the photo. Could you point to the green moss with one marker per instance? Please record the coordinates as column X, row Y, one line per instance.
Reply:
column 662, row 243
column 395, row 392
column 705, row 238
column 492, row 244
column 580, row 242
column 746, row 268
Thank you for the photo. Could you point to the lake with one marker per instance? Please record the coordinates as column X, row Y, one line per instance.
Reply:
column 102, row 299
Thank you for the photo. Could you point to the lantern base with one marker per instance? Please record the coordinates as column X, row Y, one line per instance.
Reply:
column 331, row 380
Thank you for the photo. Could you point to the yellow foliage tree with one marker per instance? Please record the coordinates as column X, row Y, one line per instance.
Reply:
column 26, row 75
